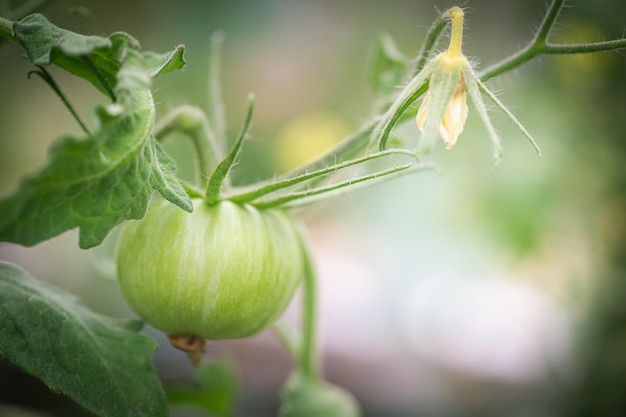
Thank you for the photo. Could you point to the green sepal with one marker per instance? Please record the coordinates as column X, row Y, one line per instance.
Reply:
column 307, row 397
column 220, row 174
column 483, row 88
column 473, row 90
column 279, row 185
column 101, row 363
column 96, row 182
column 314, row 195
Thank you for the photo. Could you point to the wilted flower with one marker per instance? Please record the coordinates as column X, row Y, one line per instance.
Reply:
column 443, row 111
column 449, row 78
column 444, row 108
column 454, row 116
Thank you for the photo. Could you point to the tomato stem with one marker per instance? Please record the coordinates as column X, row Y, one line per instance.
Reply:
column 309, row 358
column 192, row 122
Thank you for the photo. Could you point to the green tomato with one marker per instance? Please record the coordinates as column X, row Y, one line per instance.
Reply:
column 224, row 271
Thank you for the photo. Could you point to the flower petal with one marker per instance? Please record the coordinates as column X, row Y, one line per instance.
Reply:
column 455, row 116
column 443, row 83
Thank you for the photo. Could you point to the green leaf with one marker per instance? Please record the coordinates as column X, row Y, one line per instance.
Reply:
column 101, row 363
column 305, row 397
column 95, row 183
column 214, row 391
column 387, row 67
column 95, row 58
column 90, row 57
column 164, row 63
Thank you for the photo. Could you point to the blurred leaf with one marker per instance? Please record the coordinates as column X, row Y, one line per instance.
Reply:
column 95, row 183
column 304, row 397
column 387, row 67
column 164, row 63
column 214, row 391
column 101, row 363
column 11, row 411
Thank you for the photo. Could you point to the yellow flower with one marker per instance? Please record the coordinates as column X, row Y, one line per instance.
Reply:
column 446, row 97
column 454, row 117
column 449, row 78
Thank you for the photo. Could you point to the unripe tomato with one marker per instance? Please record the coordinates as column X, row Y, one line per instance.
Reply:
column 223, row 271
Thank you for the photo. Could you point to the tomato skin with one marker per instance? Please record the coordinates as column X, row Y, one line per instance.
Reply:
column 224, row 271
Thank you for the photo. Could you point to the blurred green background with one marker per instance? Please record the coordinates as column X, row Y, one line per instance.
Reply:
column 478, row 291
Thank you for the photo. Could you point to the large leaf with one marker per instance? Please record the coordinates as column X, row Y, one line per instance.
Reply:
column 101, row 363
column 96, row 182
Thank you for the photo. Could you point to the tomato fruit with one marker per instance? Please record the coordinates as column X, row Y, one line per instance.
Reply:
column 224, row 271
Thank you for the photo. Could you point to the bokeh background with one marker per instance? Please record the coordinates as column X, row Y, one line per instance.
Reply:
column 477, row 291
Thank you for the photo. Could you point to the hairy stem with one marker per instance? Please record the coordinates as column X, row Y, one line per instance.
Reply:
column 541, row 37
column 585, row 48
column 531, row 50
column 6, row 29
column 45, row 75
column 434, row 32
column 192, row 122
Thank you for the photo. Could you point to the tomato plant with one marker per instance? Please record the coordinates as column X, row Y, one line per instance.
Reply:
column 206, row 259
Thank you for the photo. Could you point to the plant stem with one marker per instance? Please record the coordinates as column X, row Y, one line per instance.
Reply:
column 287, row 338
column 531, row 50
column 192, row 122
column 6, row 29
column 585, row 48
column 309, row 360
column 434, row 32
column 45, row 75
column 100, row 78
column 541, row 37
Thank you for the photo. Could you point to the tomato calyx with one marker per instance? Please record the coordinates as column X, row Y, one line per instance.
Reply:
column 190, row 343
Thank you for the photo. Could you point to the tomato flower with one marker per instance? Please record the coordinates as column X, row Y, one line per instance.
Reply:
column 454, row 117
column 450, row 78
column 445, row 99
